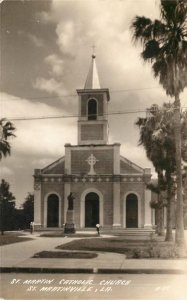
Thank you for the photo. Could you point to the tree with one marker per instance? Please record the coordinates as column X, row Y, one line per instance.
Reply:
column 165, row 46
column 156, row 135
column 7, row 207
column 28, row 210
column 158, row 204
column 6, row 131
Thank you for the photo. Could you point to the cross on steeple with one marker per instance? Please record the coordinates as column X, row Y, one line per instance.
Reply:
column 92, row 80
column 93, row 51
column 91, row 161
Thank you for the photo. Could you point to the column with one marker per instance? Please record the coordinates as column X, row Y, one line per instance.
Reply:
column 68, row 159
column 116, row 205
column 116, row 187
column 60, row 213
column 153, row 216
column 37, row 204
column 147, row 212
column 66, row 193
column 116, row 165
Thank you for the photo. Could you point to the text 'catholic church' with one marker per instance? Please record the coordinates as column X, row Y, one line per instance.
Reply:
column 108, row 188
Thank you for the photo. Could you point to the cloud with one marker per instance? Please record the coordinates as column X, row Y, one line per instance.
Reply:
column 136, row 154
column 80, row 24
column 44, row 17
column 50, row 85
column 76, row 26
column 56, row 64
column 66, row 37
column 35, row 40
column 38, row 138
column 5, row 171
column 37, row 142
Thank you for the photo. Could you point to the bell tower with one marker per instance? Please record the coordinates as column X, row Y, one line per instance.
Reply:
column 93, row 110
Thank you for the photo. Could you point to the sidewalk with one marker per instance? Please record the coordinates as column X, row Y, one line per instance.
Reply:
column 18, row 258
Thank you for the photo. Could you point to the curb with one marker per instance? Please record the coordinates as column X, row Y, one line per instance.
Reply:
column 90, row 271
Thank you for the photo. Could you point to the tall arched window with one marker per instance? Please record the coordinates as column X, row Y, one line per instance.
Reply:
column 92, row 109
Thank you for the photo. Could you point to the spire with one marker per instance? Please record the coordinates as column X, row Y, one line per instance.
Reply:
column 92, row 80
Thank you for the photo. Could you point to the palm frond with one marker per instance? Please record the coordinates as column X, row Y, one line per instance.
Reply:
column 168, row 10
column 141, row 28
column 151, row 50
column 5, row 149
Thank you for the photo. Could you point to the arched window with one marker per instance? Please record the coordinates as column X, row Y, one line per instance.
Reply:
column 92, row 109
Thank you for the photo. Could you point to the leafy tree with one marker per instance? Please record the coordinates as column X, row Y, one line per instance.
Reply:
column 28, row 209
column 158, row 204
column 165, row 47
column 6, row 131
column 157, row 137
column 7, row 207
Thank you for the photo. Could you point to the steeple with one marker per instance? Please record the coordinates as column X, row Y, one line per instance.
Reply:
column 92, row 80
column 93, row 108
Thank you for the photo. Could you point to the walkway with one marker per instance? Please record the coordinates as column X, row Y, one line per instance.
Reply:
column 19, row 255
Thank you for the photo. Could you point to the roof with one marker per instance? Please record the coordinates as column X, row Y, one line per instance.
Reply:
column 92, row 80
column 57, row 167
column 128, row 167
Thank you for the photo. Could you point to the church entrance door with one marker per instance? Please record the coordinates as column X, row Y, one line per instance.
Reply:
column 52, row 211
column 91, row 210
column 132, row 211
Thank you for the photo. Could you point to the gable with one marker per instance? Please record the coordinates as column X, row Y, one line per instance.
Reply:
column 56, row 167
column 103, row 165
column 128, row 167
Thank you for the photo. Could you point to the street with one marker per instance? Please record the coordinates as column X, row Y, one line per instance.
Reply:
column 93, row 286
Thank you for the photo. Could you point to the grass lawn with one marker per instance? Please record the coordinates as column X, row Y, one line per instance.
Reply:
column 60, row 254
column 132, row 249
column 74, row 235
column 12, row 237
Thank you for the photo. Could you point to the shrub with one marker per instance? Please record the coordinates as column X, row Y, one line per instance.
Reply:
column 136, row 253
column 162, row 251
column 156, row 251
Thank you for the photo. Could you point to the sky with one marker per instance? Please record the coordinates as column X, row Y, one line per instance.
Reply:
column 45, row 56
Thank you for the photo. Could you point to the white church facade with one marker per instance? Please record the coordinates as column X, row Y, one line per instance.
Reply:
column 108, row 188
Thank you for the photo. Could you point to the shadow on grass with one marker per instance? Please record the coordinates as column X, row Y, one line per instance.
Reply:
column 132, row 249
column 12, row 237
column 74, row 235
column 60, row 254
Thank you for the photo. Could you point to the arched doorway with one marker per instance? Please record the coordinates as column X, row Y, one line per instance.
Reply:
column 91, row 210
column 132, row 211
column 52, row 211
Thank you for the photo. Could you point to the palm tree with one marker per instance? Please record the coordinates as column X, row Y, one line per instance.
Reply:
column 158, row 204
column 6, row 131
column 156, row 135
column 165, row 46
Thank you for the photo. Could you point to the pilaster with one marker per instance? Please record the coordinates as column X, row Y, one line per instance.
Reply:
column 67, row 188
column 147, row 207
column 37, row 206
column 67, row 159
column 37, row 199
column 116, row 205
column 117, row 158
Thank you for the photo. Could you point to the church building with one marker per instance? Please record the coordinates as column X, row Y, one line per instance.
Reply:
column 107, row 187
